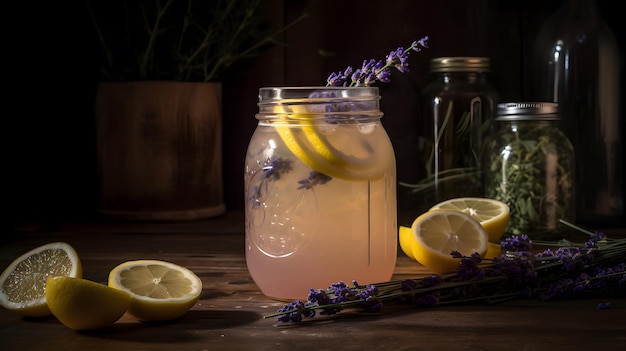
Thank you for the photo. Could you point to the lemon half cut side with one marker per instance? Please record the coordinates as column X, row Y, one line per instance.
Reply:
column 23, row 282
column 437, row 233
column 160, row 290
column 493, row 215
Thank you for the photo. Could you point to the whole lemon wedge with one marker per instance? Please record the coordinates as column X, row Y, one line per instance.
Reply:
column 82, row 304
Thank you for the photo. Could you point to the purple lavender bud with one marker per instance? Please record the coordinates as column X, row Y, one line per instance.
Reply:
column 431, row 280
column 356, row 78
column 417, row 45
column 384, row 76
column 368, row 65
column 372, row 71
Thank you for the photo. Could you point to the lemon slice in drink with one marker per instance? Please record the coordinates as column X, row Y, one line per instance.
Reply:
column 160, row 290
column 437, row 233
column 335, row 150
column 82, row 304
column 492, row 214
column 23, row 282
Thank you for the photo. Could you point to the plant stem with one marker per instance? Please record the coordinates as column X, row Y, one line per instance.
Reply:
column 153, row 32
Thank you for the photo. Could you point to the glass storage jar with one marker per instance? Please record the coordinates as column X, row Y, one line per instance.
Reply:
column 459, row 107
column 531, row 168
column 577, row 63
column 320, row 187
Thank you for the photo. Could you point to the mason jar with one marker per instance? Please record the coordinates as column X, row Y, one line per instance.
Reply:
column 459, row 106
column 320, row 191
column 578, row 62
column 531, row 169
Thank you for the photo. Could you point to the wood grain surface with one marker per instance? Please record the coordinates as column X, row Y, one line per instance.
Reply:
column 229, row 315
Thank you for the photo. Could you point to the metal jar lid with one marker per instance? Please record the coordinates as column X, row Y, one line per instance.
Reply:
column 460, row 64
column 520, row 111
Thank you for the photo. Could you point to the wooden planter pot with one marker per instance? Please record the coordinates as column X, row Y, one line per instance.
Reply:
column 159, row 147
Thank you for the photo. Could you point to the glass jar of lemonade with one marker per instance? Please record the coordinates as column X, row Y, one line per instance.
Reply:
column 320, row 191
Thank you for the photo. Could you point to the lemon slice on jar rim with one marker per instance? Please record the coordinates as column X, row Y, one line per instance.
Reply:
column 318, row 149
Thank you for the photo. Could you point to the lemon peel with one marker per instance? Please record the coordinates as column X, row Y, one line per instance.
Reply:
column 82, row 304
column 405, row 238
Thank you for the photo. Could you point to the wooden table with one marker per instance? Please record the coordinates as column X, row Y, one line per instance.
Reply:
column 229, row 315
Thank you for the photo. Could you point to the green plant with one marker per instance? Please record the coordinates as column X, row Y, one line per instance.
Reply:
column 178, row 40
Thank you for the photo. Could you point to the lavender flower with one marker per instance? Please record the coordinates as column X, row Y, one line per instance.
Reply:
column 314, row 178
column 369, row 73
column 597, row 267
column 272, row 170
column 372, row 71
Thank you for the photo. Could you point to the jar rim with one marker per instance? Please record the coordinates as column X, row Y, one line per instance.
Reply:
column 519, row 111
column 460, row 64
column 295, row 94
column 317, row 102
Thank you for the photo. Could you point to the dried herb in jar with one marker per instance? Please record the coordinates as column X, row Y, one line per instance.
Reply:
column 531, row 170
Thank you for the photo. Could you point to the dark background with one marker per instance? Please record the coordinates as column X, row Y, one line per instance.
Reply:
column 52, row 81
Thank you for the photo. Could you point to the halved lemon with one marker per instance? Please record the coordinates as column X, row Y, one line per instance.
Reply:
column 160, row 290
column 82, row 304
column 437, row 233
column 405, row 238
column 493, row 250
column 492, row 214
column 23, row 282
column 335, row 150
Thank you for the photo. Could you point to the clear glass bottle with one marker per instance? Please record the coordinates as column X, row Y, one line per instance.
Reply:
column 531, row 168
column 459, row 107
column 576, row 63
column 320, row 187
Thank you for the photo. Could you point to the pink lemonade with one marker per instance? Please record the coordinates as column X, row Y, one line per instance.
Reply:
column 320, row 202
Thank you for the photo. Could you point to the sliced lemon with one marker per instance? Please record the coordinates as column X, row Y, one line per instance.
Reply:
column 82, row 304
column 23, row 282
column 160, row 290
column 335, row 153
column 492, row 214
column 437, row 233
column 493, row 250
column 405, row 238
